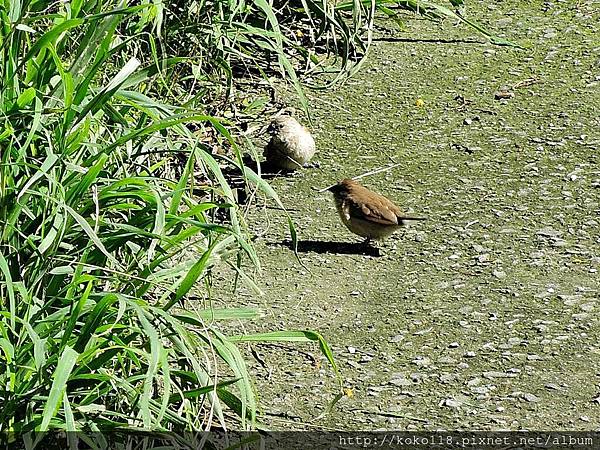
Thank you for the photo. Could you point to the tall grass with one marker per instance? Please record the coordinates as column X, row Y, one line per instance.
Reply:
column 319, row 43
column 97, row 249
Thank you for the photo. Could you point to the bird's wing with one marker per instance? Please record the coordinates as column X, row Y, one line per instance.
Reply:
column 373, row 210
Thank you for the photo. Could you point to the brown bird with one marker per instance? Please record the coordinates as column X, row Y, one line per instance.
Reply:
column 291, row 145
column 367, row 213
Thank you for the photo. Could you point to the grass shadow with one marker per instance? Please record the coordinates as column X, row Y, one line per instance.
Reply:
column 340, row 248
column 428, row 41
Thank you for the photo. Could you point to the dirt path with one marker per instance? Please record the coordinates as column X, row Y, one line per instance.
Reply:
column 486, row 315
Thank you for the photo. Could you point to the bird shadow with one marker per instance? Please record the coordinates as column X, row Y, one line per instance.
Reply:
column 340, row 248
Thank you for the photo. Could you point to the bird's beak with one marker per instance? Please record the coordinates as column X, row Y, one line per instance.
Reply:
column 272, row 128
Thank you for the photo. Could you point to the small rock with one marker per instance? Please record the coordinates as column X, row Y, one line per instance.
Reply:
column 479, row 248
column 530, row 397
column 447, row 377
column 421, row 361
column 499, row 274
column 446, row 360
column 570, row 300
column 354, row 364
column 580, row 316
column 474, row 381
column 399, row 379
column 480, row 390
column 422, row 332
column 495, row 374
column 549, row 232
column 451, row 403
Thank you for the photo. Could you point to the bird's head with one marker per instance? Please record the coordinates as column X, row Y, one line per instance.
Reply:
column 335, row 189
column 342, row 187
column 278, row 124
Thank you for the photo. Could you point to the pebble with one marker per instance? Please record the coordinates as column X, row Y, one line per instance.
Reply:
column 495, row 374
column 530, row 397
column 499, row 274
column 450, row 403
column 399, row 379
column 479, row 248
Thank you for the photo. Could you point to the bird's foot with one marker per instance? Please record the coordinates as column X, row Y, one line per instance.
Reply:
column 371, row 249
column 312, row 165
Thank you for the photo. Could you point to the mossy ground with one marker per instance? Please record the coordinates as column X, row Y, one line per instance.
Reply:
column 486, row 315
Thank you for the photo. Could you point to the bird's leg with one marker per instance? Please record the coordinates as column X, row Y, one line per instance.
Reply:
column 371, row 248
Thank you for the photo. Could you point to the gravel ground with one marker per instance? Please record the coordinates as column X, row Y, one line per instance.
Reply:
column 486, row 315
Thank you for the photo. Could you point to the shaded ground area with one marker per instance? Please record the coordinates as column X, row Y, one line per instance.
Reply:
column 486, row 315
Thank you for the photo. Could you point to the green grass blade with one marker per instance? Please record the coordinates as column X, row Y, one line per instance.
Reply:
column 59, row 385
column 291, row 336
column 8, row 283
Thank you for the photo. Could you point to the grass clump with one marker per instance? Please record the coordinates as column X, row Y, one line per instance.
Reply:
column 92, row 236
